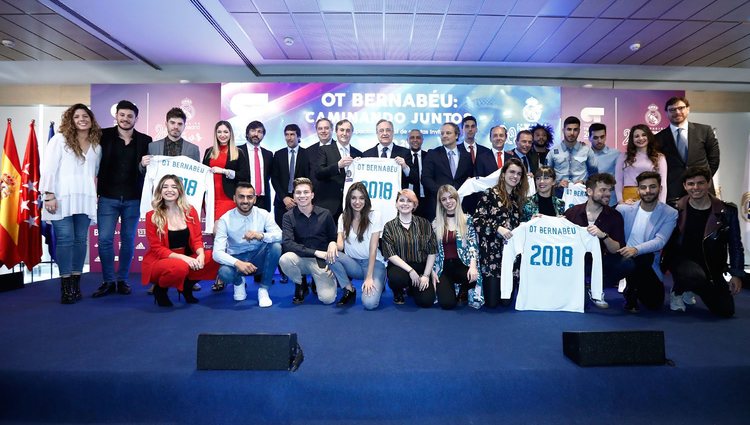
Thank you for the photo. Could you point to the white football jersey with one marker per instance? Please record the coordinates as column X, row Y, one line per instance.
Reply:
column 552, row 265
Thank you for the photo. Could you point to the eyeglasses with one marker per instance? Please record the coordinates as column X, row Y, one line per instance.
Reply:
column 676, row 109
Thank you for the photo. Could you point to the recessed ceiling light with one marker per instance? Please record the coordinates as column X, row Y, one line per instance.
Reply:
column 288, row 41
column 634, row 47
column 9, row 43
column 588, row 85
column 184, row 81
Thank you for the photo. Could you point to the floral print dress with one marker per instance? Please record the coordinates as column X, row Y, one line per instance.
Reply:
column 489, row 215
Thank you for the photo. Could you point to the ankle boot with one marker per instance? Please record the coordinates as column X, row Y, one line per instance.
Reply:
column 160, row 297
column 187, row 292
column 66, row 290
column 76, row 281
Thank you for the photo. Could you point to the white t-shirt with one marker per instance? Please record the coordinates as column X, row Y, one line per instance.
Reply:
column 574, row 194
column 552, row 265
column 361, row 250
column 638, row 231
column 197, row 180
column 382, row 178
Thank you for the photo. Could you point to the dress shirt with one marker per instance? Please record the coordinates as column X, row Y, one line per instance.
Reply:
column 231, row 229
column 572, row 164
column 172, row 147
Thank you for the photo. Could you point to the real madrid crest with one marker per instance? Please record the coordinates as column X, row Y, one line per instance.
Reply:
column 652, row 117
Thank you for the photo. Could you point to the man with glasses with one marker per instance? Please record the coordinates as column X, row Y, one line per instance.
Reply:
column 686, row 144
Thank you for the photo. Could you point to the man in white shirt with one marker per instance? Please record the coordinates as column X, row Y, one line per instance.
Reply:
column 648, row 226
column 260, row 162
column 247, row 241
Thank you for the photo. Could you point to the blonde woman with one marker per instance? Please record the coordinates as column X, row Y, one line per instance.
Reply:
column 175, row 256
column 68, row 182
column 456, row 264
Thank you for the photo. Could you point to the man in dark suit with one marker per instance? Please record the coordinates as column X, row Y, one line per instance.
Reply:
column 324, row 130
column 291, row 159
column 417, row 159
column 445, row 165
column 698, row 148
column 387, row 149
column 334, row 160
column 260, row 160
column 523, row 151
column 493, row 159
column 477, row 153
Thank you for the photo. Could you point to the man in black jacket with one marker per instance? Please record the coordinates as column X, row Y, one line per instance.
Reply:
column 708, row 231
column 334, row 160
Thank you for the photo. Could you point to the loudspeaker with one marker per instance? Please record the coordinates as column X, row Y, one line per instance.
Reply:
column 249, row 352
column 10, row 281
column 615, row 348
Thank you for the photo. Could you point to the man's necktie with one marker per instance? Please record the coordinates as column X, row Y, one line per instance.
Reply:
column 415, row 170
column 384, row 153
column 499, row 160
column 473, row 155
column 258, row 175
column 452, row 163
column 290, row 186
column 682, row 145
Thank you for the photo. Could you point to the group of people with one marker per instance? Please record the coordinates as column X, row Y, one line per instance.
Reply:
column 440, row 248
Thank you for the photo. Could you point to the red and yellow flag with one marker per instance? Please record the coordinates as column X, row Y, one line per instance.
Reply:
column 10, row 195
column 30, row 211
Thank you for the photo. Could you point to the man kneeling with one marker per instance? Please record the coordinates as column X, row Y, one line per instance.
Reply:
column 247, row 242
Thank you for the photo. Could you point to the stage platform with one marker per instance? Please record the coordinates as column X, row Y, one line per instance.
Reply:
column 122, row 359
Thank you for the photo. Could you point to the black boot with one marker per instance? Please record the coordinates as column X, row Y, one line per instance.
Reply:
column 300, row 292
column 348, row 297
column 160, row 297
column 187, row 292
column 76, row 281
column 66, row 290
column 105, row 289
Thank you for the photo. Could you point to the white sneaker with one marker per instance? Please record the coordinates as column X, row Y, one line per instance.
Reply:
column 688, row 298
column 599, row 303
column 675, row 302
column 239, row 292
column 621, row 286
column 263, row 299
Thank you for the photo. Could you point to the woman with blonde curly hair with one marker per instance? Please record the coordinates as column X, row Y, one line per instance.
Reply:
column 68, row 184
column 175, row 256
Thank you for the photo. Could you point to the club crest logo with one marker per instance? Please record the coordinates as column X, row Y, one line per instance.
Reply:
column 652, row 117
column 533, row 109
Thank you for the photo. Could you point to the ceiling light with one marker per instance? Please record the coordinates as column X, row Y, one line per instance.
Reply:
column 288, row 41
column 634, row 47
column 9, row 43
column 588, row 85
column 184, row 81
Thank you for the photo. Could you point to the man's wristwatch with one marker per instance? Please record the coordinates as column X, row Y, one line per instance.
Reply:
column 606, row 235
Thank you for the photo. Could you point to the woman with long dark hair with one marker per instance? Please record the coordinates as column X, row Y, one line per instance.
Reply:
column 175, row 256
column 456, row 263
column 498, row 213
column 359, row 229
column 68, row 184
column 642, row 154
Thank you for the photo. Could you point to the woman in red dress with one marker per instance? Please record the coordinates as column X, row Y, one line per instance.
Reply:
column 175, row 256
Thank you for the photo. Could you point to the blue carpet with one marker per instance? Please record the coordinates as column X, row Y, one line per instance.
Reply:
column 121, row 359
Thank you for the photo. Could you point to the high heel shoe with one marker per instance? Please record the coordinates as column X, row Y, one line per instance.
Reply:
column 160, row 297
column 187, row 292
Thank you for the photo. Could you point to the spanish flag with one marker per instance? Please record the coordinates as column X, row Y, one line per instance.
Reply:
column 10, row 196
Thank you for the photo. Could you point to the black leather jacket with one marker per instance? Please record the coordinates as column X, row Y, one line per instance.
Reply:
column 721, row 239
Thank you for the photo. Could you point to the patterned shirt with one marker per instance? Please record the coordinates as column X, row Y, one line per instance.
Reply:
column 412, row 245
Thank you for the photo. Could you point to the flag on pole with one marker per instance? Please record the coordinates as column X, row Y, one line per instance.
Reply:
column 47, row 230
column 10, row 194
column 30, row 212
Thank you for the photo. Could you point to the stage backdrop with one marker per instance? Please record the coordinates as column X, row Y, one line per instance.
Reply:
column 409, row 106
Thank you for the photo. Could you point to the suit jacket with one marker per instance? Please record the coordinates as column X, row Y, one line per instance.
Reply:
column 280, row 177
column 703, row 150
column 532, row 156
column 437, row 172
column 189, row 150
column 265, row 200
column 486, row 163
column 313, row 155
column 330, row 192
column 240, row 167
column 374, row 152
column 658, row 229
column 480, row 152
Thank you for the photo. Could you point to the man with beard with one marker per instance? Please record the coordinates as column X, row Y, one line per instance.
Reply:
column 543, row 139
column 261, row 161
column 707, row 235
column 247, row 241
column 120, row 183
column 648, row 226
column 572, row 160
column 334, row 160
column 605, row 223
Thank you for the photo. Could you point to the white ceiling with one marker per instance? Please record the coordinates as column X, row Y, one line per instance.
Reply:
column 685, row 44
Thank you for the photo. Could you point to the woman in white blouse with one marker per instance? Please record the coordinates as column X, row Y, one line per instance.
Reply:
column 68, row 182
column 359, row 231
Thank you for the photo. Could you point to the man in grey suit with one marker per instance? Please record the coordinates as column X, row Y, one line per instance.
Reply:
column 685, row 144
column 173, row 145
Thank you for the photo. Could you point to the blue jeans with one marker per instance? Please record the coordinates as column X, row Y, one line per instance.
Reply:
column 71, row 234
column 109, row 210
column 265, row 258
column 347, row 267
